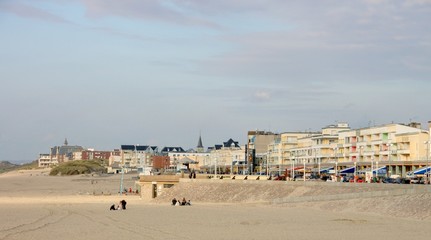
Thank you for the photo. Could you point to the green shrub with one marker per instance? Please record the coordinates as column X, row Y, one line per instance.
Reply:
column 79, row 167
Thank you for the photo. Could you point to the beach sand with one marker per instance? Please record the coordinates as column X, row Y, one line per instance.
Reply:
column 37, row 206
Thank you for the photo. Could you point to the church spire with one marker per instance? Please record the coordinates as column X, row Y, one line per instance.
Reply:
column 200, row 147
column 65, row 142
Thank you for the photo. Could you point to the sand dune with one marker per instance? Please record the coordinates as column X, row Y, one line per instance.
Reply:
column 37, row 206
column 407, row 201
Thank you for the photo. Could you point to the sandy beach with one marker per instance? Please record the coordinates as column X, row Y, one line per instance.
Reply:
column 37, row 206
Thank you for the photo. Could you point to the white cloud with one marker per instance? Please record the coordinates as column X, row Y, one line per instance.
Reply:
column 262, row 95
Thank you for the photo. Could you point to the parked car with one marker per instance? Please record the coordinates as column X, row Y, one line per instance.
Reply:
column 388, row 180
column 400, row 180
column 313, row 177
column 415, row 180
column 299, row 178
column 325, row 178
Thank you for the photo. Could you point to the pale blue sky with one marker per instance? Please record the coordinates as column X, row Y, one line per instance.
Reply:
column 105, row 73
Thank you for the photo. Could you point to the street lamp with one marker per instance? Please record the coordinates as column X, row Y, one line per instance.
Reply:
column 318, row 160
column 293, row 168
column 304, row 170
column 427, row 158
column 389, row 145
column 336, row 161
column 267, row 166
column 354, row 173
column 215, row 168
column 122, row 179
column 377, row 170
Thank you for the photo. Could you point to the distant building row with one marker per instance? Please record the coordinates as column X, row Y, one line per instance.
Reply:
column 399, row 147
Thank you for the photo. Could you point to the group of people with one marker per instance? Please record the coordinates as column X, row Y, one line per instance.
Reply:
column 130, row 191
column 192, row 174
column 120, row 206
column 183, row 202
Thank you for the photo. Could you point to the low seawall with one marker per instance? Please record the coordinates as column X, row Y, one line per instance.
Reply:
column 281, row 192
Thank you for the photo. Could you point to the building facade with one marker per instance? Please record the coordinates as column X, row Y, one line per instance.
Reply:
column 400, row 148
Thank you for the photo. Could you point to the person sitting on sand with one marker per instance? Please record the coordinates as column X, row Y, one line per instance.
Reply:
column 188, row 203
column 174, row 201
column 113, row 207
column 183, row 202
column 123, row 204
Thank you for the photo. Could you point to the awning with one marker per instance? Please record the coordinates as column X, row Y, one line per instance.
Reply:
column 347, row 170
column 420, row 171
column 326, row 170
column 296, row 168
column 380, row 170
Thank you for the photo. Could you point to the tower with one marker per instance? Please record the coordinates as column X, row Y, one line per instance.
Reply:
column 200, row 147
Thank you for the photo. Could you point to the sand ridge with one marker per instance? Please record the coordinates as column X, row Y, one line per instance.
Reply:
column 390, row 200
column 37, row 206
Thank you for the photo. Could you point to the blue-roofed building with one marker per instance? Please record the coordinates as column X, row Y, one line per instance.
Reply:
column 136, row 158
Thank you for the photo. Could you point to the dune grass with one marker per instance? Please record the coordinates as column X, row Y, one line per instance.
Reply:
column 79, row 167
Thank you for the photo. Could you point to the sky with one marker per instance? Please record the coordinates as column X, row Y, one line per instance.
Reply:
column 103, row 73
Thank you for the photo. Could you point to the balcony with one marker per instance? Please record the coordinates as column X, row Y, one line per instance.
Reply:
column 368, row 153
column 403, row 151
column 377, row 141
column 354, row 154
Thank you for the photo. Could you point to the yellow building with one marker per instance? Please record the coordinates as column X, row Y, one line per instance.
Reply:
column 401, row 148
column 312, row 149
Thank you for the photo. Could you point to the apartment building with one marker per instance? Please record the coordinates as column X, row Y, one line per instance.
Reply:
column 257, row 149
column 187, row 160
column 92, row 154
column 44, row 161
column 281, row 152
column 228, row 157
column 137, row 157
column 59, row 154
column 310, row 149
column 399, row 147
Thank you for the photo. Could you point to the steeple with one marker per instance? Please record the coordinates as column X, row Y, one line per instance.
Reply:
column 65, row 142
column 200, row 147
